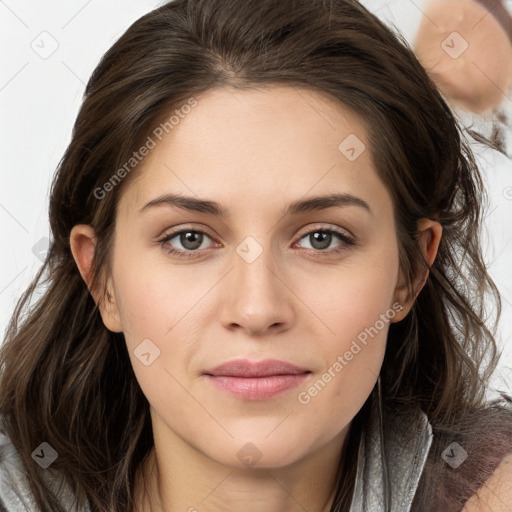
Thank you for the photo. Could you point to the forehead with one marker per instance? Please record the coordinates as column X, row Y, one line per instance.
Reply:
column 255, row 142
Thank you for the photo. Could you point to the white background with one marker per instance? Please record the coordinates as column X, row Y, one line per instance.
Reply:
column 40, row 98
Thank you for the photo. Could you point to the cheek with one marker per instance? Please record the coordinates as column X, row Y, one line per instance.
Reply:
column 165, row 310
column 158, row 337
column 358, row 308
column 143, row 308
column 358, row 319
column 152, row 296
column 153, row 305
column 353, row 296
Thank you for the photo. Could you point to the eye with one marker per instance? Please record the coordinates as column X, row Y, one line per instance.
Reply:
column 193, row 241
column 190, row 239
column 321, row 239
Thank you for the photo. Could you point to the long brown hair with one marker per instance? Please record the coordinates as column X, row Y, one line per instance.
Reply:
column 67, row 380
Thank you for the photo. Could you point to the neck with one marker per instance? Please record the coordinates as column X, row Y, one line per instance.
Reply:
column 192, row 482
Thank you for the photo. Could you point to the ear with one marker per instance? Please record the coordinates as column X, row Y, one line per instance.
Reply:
column 430, row 233
column 83, row 244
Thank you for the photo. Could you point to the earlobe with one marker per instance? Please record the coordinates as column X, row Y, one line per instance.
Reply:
column 82, row 241
column 430, row 233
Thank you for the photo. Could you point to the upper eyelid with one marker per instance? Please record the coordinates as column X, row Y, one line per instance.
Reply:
column 323, row 227
column 178, row 231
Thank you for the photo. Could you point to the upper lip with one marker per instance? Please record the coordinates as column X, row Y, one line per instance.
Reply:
column 246, row 368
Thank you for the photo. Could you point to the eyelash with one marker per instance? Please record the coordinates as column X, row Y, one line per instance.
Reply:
column 347, row 242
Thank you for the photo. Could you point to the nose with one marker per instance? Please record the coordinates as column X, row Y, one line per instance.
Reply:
column 257, row 298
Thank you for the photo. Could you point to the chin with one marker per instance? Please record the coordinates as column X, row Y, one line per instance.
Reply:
column 258, row 453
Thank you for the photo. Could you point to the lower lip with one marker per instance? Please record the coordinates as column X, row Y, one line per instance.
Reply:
column 257, row 388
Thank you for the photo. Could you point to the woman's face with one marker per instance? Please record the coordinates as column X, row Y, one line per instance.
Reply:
column 268, row 279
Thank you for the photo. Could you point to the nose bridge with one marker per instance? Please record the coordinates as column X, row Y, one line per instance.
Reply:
column 257, row 297
column 254, row 264
column 254, row 269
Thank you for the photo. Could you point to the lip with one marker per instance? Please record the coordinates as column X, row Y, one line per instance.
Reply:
column 259, row 380
column 246, row 368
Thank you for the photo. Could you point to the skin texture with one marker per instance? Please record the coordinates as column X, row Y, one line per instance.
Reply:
column 479, row 77
column 294, row 302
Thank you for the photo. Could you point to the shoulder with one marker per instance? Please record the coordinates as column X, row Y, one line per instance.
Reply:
column 496, row 493
column 470, row 458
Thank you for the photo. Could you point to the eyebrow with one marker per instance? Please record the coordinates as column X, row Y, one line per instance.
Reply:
column 297, row 207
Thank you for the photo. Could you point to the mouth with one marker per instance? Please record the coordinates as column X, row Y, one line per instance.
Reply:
column 256, row 380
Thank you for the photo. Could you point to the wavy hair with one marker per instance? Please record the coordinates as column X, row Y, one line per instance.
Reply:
column 68, row 380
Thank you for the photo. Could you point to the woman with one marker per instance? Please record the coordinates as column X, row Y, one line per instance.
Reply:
column 205, row 343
